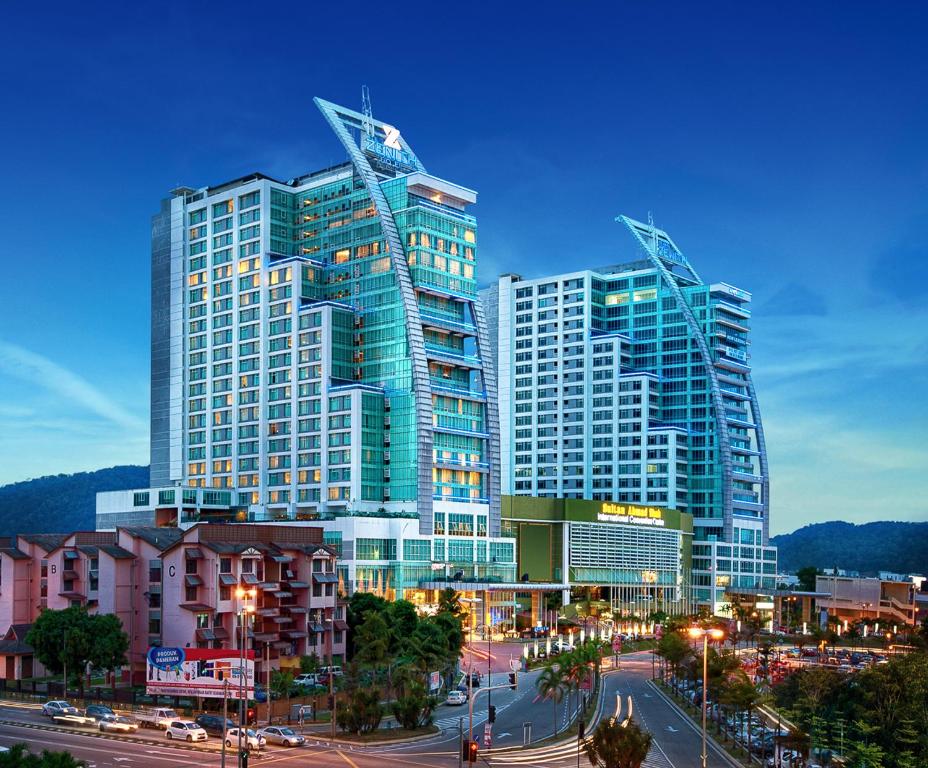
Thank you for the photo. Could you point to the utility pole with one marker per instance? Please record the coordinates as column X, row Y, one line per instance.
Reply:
column 225, row 719
column 267, row 680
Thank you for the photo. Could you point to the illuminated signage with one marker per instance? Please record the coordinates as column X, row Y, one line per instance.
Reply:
column 630, row 513
column 390, row 150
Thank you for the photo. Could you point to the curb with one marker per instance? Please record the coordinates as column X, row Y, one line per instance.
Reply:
column 95, row 734
column 719, row 750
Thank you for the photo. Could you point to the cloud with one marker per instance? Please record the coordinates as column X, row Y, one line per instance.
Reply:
column 35, row 369
column 901, row 274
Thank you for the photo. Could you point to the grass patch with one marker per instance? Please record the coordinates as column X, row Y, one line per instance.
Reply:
column 388, row 734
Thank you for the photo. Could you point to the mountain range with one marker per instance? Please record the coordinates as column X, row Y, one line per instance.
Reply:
column 867, row 548
column 61, row 503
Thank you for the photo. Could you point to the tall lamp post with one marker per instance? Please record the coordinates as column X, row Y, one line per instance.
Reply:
column 705, row 634
column 244, row 595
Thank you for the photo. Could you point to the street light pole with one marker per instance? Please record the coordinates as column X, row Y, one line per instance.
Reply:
column 244, row 609
column 716, row 634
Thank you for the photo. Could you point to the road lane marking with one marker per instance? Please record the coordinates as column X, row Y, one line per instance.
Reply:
column 347, row 759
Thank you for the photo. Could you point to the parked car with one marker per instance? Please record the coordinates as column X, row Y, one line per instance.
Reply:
column 456, row 697
column 306, row 680
column 118, row 724
column 55, row 708
column 250, row 739
column 333, row 670
column 98, row 711
column 280, row 734
column 186, row 730
column 212, row 724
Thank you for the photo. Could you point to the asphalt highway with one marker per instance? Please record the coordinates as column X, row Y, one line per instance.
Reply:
column 677, row 742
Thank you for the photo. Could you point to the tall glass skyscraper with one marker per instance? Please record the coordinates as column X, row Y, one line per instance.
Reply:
column 632, row 383
column 318, row 349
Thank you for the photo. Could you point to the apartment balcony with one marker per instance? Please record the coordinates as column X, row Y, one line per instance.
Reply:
column 453, row 356
column 443, row 323
column 446, row 386
column 477, row 466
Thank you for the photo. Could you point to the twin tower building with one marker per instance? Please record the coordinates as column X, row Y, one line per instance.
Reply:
column 321, row 355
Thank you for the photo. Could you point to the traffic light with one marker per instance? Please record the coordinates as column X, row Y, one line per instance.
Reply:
column 469, row 751
column 491, row 713
column 244, row 756
column 512, row 680
column 251, row 716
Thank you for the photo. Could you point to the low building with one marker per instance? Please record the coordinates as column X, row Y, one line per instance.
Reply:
column 856, row 598
column 636, row 557
column 177, row 587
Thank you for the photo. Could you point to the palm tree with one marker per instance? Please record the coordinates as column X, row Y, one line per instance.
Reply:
column 616, row 746
column 449, row 601
column 551, row 685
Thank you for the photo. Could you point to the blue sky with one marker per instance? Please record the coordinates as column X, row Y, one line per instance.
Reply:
column 782, row 147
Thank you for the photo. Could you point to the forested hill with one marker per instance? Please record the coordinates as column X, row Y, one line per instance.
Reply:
column 62, row 503
column 868, row 548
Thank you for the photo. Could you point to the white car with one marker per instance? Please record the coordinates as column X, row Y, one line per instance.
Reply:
column 58, row 708
column 250, row 739
column 455, row 698
column 306, row 679
column 186, row 730
column 281, row 734
column 118, row 724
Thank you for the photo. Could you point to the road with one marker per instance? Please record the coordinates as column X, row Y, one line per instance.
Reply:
column 676, row 740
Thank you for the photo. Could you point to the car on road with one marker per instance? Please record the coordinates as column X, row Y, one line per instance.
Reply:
column 282, row 735
column 118, row 724
column 212, row 724
column 57, row 708
column 185, row 730
column 563, row 646
column 250, row 739
column 159, row 718
column 98, row 711
column 456, row 698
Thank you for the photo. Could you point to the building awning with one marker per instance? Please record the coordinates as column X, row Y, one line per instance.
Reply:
column 249, row 578
column 294, row 634
column 282, row 619
column 192, row 580
column 492, row 586
column 325, row 578
column 206, row 634
column 73, row 575
column 197, row 607
column 315, row 626
column 279, row 594
column 193, row 553
column 220, row 633
column 268, row 611
column 296, row 608
column 266, row 637
column 269, row 586
column 72, row 595
column 282, row 558
column 70, row 554
column 227, row 579
column 298, row 584
column 341, row 625
column 282, row 646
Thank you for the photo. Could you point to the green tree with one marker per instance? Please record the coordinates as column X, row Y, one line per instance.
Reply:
column 551, row 685
column 282, row 684
column 806, row 576
column 309, row 664
column 449, row 601
column 414, row 707
column 673, row 649
column 615, row 746
column 71, row 638
column 20, row 757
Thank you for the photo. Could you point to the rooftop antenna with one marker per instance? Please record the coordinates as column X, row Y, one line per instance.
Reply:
column 368, row 122
column 653, row 231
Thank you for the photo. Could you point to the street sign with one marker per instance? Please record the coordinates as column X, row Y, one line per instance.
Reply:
column 434, row 681
column 617, row 644
column 487, row 735
column 658, row 631
column 526, row 734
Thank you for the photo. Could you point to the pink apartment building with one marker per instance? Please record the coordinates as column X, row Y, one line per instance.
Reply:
column 179, row 588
